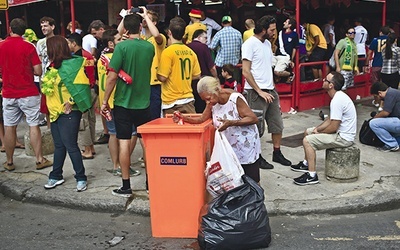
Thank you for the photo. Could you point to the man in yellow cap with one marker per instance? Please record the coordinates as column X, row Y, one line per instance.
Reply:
column 195, row 17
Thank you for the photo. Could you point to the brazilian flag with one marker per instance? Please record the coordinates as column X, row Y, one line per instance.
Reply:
column 73, row 76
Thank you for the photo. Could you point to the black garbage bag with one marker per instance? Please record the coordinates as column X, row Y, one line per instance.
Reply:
column 238, row 219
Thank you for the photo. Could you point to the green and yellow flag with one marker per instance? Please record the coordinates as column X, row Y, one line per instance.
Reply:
column 73, row 75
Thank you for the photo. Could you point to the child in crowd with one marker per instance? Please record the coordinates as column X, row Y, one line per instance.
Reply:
column 230, row 82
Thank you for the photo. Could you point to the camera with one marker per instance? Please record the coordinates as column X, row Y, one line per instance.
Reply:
column 136, row 10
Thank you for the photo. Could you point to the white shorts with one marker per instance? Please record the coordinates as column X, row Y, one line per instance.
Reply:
column 15, row 108
column 280, row 63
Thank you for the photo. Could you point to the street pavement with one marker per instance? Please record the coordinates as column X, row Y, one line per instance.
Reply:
column 377, row 188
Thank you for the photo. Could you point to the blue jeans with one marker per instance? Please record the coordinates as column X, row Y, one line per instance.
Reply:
column 155, row 101
column 387, row 129
column 65, row 136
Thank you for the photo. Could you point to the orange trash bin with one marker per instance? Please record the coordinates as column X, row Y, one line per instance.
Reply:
column 176, row 157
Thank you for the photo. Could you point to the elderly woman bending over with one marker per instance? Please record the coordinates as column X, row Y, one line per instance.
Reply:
column 232, row 116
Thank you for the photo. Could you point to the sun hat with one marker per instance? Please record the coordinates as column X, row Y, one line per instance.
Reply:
column 195, row 13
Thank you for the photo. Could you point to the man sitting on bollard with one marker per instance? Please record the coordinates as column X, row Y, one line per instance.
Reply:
column 337, row 131
column 386, row 124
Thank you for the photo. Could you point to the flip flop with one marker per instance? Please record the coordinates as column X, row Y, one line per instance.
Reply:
column 20, row 146
column 87, row 158
column 2, row 150
column 83, row 151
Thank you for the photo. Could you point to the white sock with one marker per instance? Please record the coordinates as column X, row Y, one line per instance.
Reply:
column 312, row 173
column 305, row 163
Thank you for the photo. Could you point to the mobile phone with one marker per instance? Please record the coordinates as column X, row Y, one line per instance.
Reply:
column 136, row 10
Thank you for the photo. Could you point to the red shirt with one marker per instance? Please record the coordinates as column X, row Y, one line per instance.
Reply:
column 89, row 67
column 17, row 58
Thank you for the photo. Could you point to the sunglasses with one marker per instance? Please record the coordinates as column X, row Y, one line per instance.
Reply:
column 326, row 80
column 351, row 33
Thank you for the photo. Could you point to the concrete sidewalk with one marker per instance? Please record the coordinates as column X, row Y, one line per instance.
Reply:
column 378, row 187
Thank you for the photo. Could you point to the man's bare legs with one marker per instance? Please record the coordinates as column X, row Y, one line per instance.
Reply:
column 310, row 155
column 10, row 136
column 36, row 142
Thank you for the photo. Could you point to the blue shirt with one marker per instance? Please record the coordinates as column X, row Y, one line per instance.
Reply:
column 376, row 46
column 229, row 41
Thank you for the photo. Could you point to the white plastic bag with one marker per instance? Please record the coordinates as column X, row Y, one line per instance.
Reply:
column 224, row 171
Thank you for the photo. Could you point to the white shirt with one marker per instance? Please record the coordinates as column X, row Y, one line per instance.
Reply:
column 343, row 109
column 260, row 56
column 211, row 25
column 360, row 38
column 244, row 140
column 41, row 49
column 89, row 42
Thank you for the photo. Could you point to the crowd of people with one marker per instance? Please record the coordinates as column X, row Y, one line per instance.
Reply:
column 134, row 73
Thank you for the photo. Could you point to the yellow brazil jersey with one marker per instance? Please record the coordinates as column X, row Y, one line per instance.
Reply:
column 179, row 65
column 158, row 48
column 247, row 34
column 55, row 102
column 311, row 32
column 102, row 74
column 191, row 28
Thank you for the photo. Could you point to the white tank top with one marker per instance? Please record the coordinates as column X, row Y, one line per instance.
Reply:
column 244, row 140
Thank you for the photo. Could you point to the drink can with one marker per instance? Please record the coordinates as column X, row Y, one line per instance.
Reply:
column 107, row 115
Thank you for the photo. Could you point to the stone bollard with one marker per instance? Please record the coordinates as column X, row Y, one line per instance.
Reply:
column 342, row 164
column 47, row 143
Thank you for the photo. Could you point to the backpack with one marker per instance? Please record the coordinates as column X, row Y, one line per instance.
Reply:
column 368, row 137
column 332, row 62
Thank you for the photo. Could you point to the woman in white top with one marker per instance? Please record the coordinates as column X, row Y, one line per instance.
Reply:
column 232, row 115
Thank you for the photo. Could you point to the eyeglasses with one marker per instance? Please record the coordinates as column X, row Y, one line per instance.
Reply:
column 351, row 33
column 326, row 80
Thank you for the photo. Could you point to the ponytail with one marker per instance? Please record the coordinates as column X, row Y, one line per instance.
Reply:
column 389, row 42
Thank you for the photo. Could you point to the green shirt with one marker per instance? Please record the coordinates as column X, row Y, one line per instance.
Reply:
column 135, row 57
column 341, row 45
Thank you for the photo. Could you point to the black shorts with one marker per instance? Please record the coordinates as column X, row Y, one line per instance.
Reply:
column 124, row 118
column 253, row 170
column 317, row 55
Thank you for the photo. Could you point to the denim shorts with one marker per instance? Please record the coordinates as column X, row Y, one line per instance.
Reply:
column 111, row 126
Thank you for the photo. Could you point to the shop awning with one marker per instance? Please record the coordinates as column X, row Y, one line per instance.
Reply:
column 12, row 3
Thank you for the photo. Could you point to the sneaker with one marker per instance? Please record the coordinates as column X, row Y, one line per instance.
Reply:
column 291, row 78
column 114, row 171
column 375, row 104
column 264, row 164
column 132, row 172
column 122, row 192
column 9, row 166
column 46, row 163
column 52, row 183
column 278, row 157
column 306, row 179
column 103, row 139
column 43, row 123
column 299, row 167
column 387, row 148
column 380, row 109
column 81, row 186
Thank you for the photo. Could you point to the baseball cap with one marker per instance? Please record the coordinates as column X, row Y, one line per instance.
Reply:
column 226, row 19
